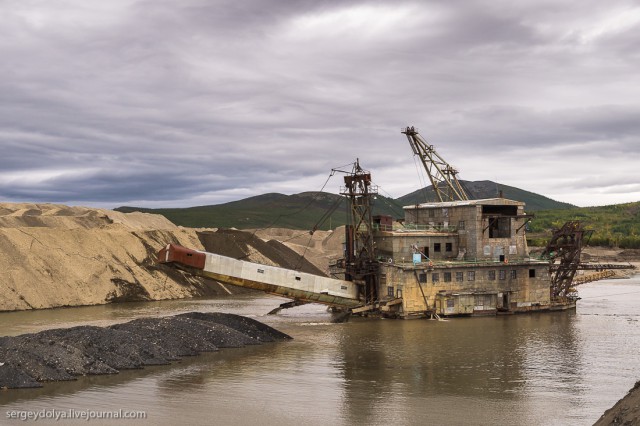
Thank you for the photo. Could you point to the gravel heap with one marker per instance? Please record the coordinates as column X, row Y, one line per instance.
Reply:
column 64, row 354
column 247, row 246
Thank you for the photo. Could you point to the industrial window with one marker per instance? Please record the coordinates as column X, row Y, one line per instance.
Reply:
column 499, row 219
column 450, row 303
column 484, row 301
column 461, row 225
column 436, row 247
column 499, row 227
column 459, row 276
column 447, row 277
column 390, row 291
column 435, row 277
column 432, row 213
column 471, row 275
column 492, row 275
column 422, row 277
column 532, row 273
column 448, row 247
column 514, row 273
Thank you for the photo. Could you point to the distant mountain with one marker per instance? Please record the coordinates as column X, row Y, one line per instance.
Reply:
column 478, row 190
column 323, row 210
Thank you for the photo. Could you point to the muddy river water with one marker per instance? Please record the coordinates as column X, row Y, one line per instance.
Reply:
column 558, row 368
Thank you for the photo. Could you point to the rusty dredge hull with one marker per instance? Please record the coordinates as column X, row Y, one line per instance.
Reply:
column 449, row 257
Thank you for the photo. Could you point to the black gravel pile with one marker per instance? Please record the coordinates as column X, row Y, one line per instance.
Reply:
column 255, row 329
column 64, row 354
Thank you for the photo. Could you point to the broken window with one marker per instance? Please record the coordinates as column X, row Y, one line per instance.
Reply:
column 448, row 246
column 499, row 218
column 435, row 277
column 532, row 273
column 499, row 227
column 514, row 273
column 447, row 277
column 436, row 247
column 492, row 275
column 459, row 276
column 502, row 274
column 422, row 277
column 390, row 291
column 471, row 275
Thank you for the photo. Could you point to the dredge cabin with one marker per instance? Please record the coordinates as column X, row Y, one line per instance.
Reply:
column 460, row 258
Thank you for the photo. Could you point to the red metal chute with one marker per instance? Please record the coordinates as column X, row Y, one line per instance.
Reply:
column 174, row 253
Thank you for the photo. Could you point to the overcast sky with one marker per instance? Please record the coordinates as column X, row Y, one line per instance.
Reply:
column 193, row 102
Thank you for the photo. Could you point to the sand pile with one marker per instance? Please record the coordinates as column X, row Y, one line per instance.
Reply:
column 55, row 255
column 64, row 354
column 58, row 216
column 321, row 248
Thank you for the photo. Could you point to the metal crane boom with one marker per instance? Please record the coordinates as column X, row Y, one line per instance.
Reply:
column 442, row 175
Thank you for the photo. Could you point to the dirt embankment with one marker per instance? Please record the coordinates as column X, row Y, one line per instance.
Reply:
column 64, row 354
column 55, row 255
column 626, row 412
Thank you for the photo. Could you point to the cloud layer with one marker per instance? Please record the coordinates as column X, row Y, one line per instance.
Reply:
column 163, row 103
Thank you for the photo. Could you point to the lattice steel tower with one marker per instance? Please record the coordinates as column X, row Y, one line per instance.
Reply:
column 442, row 175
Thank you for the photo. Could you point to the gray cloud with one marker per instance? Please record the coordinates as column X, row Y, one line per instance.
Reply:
column 176, row 104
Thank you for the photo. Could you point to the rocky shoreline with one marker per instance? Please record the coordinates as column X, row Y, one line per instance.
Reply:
column 28, row 360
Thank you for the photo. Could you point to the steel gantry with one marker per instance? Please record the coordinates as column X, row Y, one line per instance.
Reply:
column 360, row 259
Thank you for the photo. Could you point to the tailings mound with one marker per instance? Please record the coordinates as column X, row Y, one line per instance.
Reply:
column 65, row 354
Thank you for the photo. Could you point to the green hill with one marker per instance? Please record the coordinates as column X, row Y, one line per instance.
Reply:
column 478, row 190
column 614, row 226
